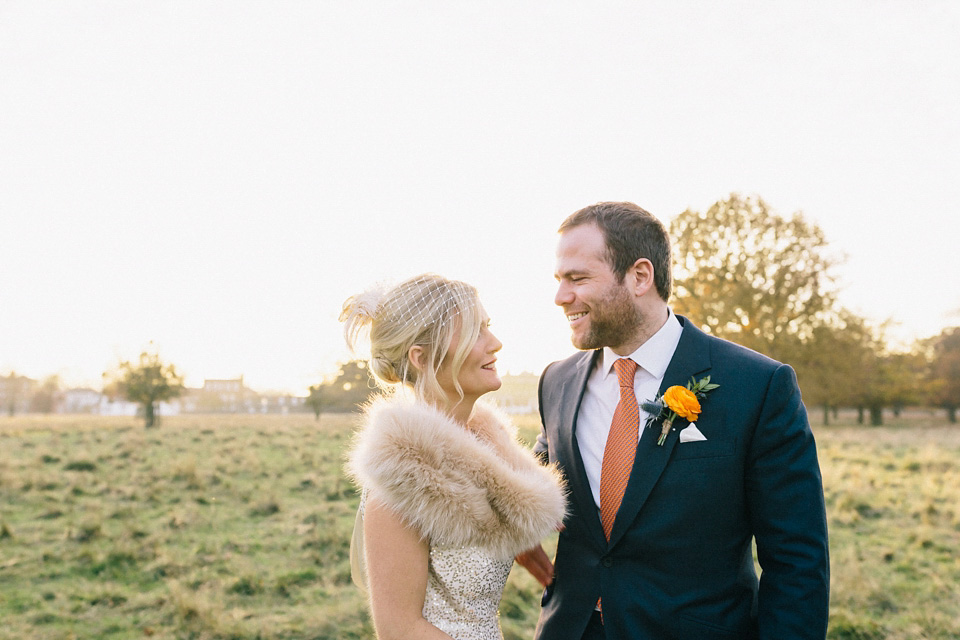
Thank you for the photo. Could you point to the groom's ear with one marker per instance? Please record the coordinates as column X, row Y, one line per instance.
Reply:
column 642, row 272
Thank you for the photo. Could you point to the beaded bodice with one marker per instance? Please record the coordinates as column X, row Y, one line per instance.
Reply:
column 464, row 585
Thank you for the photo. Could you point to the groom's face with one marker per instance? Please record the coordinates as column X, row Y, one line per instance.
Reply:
column 601, row 311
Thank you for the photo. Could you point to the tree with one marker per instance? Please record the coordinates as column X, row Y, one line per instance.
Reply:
column 315, row 400
column 10, row 392
column 905, row 380
column 944, row 378
column 147, row 382
column 351, row 388
column 15, row 393
column 835, row 364
column 876, row 394
column 746, row 274
column 45, row 398
column 855, row 363
column 871, row 377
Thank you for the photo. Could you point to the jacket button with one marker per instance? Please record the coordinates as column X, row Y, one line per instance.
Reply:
column 607, row 562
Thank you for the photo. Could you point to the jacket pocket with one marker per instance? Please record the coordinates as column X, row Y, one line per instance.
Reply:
column 702, row 630
column 547, row 594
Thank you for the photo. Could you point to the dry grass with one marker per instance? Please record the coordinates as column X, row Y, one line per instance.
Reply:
column 238, row 527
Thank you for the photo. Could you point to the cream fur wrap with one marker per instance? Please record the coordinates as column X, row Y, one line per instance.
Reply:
column 474, row 486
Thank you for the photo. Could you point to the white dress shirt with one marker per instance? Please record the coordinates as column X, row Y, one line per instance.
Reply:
column 603, row 393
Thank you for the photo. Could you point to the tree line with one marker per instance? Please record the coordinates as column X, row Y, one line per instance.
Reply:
column 747, row 274
column 741, row 272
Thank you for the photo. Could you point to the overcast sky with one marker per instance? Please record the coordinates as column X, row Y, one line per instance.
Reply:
column 217, row 177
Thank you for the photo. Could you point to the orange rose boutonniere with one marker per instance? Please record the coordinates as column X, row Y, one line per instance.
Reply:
column 679, row 402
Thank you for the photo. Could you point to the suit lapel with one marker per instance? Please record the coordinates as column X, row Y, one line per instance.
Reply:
column 572, row 395
column 691, row 358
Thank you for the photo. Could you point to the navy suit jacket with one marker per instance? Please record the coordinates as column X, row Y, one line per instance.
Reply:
column 679, row 563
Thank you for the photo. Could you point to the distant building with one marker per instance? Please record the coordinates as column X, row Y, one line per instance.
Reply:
column 122, row 407
column 82, row 400
column 227, row 396
column 16, row 393
column 189, row 400
column 117, row 407
column 283, row 403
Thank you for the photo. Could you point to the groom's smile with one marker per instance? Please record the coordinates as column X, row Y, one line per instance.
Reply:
column 597, row 305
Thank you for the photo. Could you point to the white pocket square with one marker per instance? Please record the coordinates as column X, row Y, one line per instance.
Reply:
column 692, row 434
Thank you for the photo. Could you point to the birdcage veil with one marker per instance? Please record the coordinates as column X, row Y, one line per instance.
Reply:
column 427, row 310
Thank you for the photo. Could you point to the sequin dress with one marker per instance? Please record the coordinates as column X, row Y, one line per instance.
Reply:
column 464, row 586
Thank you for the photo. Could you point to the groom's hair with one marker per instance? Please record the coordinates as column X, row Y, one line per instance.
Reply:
column 630, row 233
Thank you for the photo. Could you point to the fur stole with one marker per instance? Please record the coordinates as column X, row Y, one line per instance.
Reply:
column 474, row 486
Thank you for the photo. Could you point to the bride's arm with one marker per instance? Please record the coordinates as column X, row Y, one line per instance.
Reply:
column 397, row 562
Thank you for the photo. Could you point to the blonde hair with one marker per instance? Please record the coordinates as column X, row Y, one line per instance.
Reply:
column 428, row 311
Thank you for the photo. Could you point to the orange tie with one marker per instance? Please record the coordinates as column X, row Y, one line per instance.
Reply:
column 621, row 446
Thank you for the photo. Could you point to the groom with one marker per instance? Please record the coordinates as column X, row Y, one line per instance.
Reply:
column 658, row 541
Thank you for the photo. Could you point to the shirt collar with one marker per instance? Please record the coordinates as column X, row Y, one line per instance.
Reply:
column 655, row 354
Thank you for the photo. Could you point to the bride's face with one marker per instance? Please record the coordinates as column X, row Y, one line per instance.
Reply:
column 478, row 374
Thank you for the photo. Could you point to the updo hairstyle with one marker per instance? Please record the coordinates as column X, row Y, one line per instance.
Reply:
column 427, row 310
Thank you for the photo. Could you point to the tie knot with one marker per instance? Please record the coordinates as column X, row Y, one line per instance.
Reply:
column 626, row 369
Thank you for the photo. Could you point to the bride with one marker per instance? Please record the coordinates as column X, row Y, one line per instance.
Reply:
column 449, row 496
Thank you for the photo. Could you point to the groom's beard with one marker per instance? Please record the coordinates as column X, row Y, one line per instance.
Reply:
column 614, row 320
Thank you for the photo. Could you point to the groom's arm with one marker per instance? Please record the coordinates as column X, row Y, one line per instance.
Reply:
column 785, row 497
column 541, row 448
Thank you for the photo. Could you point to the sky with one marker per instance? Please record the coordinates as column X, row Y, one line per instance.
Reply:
column 211, row 180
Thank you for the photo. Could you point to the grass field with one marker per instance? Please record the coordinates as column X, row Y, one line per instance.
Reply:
column 218, row 527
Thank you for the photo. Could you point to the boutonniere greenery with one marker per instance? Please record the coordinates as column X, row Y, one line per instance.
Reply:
column 677, row 402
